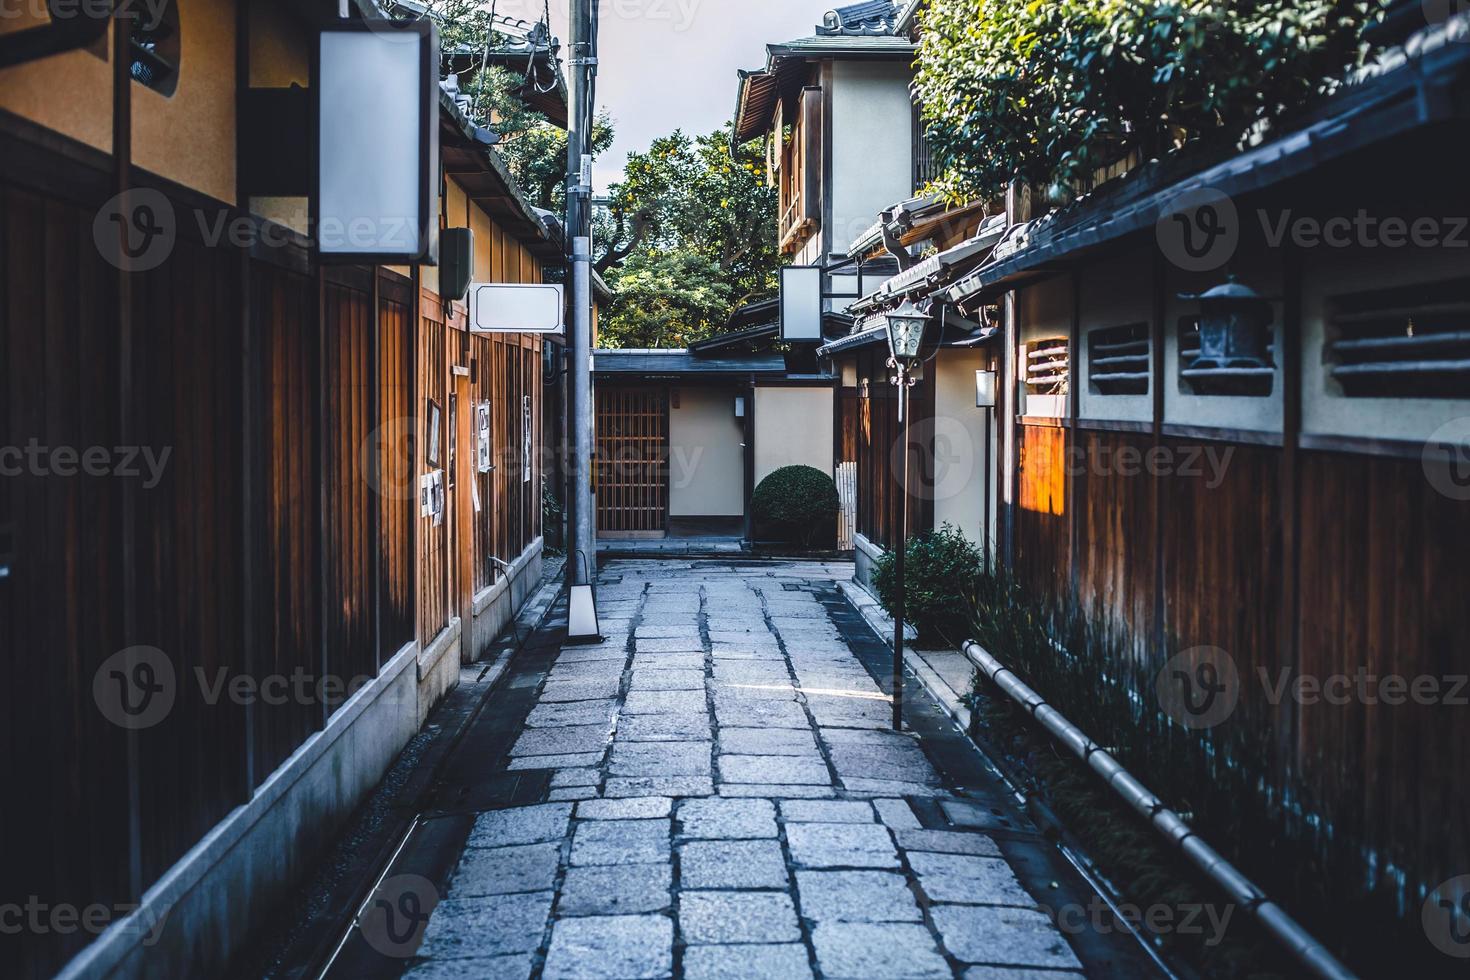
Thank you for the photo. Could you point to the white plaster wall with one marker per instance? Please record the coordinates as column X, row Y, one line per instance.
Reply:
column 706, row 459
column 793, row 426
column 959, row 444
column 1329, row 272
column 1261, row 270
column 1116, row 292
column 872, row 145
column 1045, row 311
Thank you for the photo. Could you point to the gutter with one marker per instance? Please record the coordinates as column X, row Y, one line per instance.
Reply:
column 1271, row 917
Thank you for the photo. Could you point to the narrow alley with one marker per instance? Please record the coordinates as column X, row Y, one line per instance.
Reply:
column 714, row 791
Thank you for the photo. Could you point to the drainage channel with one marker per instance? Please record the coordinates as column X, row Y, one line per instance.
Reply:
column 416, row 821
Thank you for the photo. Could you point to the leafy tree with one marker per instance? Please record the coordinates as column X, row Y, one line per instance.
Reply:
column 1049, row 92
column 696, row 218
column 664, row 299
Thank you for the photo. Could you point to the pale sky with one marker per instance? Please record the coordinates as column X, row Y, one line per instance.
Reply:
column 670, row 64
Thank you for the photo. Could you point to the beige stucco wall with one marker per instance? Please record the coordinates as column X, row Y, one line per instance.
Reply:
column 706, row 459
column 872, row 151
column 793, row 426
column 70, row 93
column 959, row 444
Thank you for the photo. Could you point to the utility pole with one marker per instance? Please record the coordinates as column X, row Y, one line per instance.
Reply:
column 582, row 555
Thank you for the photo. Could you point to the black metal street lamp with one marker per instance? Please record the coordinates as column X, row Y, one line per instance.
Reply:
column 905, row 334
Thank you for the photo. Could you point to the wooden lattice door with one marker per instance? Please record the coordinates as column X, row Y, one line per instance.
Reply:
column 632, row 461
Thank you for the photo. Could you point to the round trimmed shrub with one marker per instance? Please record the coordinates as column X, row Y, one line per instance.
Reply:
column 941, row 570
column 795, row 502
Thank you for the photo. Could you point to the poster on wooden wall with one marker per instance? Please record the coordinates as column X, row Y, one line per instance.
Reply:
column 525, row 438
column 482, row 430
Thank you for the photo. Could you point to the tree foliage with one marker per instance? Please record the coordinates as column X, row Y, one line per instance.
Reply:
column 697, row 221
column 1049, row 91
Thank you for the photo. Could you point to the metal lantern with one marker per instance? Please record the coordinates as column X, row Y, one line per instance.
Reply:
column 906, row 332
column 1234, row 327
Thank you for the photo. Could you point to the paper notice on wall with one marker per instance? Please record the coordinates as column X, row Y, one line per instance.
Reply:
column 426, row 494
column 475, row 495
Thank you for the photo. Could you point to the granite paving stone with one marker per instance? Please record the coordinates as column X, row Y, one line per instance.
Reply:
column 575, row 760
column 737, row 917
column 521, row 825
column 754, row 962
column 968, row 879
column 840, row 845
column 1019, row 937
column 614, row 947
column 575, row 777
column 573, row 793
column 877, row 951
column 663, row 703
column 828, row 811
column 509, row 967
column 946, row 842
column 660, row 759
column 562, row 741
column 768, row 741
column 478, row 927
column 621, row 842
column 771, row 790
column 727, row 819
column 897, row 814
column 505, row 870
column 774, row 769
column 622, row 786
column 856, row 896
column 663, row 728
column 629, row 808
column 558, row 714
column 616, row 889
column 748, row 864
column 667, row 680
column 758, row 714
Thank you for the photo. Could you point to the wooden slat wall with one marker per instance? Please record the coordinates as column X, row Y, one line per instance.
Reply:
column 1384, row 580
column 64, row 765
column 433, row 383
column 187, row 396
column 288, row 624
column 632, row 460
column 204, row 381
column 351, row 501
column 877, row 435
column 398, row 483
column 1380, row 552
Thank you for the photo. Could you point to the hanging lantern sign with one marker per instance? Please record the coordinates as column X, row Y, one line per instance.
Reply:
column 377, row 143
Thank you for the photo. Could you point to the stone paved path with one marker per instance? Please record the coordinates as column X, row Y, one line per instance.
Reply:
column 727, row 802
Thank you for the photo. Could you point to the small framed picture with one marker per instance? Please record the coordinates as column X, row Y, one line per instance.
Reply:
column 436, row 423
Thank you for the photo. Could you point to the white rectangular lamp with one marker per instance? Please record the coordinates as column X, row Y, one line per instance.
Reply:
column 376, row 143
column 582, row 625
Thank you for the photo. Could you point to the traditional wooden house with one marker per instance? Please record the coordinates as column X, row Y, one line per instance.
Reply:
column 1234, row 417
column 268, row 493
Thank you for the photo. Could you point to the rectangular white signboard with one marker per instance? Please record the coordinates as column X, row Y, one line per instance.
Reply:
column 498, row 307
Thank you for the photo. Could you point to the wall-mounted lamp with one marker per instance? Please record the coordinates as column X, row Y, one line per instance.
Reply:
column 985, row 389
column 740, row 406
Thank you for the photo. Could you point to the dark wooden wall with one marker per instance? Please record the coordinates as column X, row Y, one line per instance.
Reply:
column 1179, row 562
column 253, row 556
column 877, row 435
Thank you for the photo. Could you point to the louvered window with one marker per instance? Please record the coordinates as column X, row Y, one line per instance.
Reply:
column 1402, row 343
column 1047, row 367
column 1118, row 360
column 1248, row 382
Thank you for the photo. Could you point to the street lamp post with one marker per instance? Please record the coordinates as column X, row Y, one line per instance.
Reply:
column 905, row 334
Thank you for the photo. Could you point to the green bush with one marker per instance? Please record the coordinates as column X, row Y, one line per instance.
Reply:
column 795, row 502
column 941, row 569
